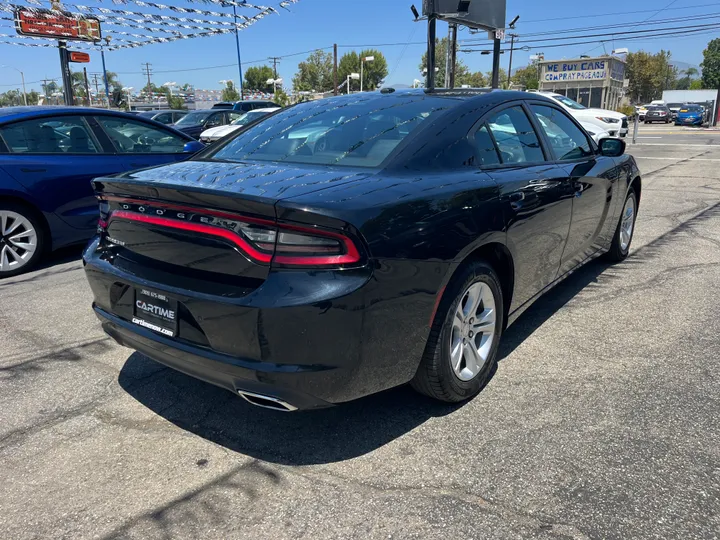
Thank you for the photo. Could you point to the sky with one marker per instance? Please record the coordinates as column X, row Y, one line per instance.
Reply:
column 386, row 25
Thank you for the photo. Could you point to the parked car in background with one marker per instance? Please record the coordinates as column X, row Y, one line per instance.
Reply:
column 595, row 131
column 641, row 111
column 245, row 105
column 195, row 122
column 164, row 116
column 348, row 245
column 690, row 115
column 674, row 109
column 49, row 155
column 658, row 113
column 615, row 123
column 213, row 134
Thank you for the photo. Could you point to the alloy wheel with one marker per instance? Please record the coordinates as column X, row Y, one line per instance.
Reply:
column 627, row 224
column 18, row 241
column 473, row 331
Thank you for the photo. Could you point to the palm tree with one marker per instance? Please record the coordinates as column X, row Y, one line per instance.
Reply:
column 77, row 80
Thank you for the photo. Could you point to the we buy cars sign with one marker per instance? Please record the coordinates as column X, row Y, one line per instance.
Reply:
column 56, row 24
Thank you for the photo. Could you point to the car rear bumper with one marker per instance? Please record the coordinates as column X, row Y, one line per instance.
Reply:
column 305, row 338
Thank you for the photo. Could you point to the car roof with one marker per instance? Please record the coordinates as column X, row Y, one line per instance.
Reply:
column 14, row 113
column 158, row 111
column 266, row 109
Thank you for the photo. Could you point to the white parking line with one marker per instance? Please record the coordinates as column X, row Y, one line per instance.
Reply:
column 648, row 137
column 678, row 158
column 677, row 144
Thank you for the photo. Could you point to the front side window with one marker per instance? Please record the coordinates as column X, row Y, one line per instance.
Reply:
column 133, row 137
column 164, row 118
column 58, row 135
column 358, row 132
column 566, row 139
column 515, row 137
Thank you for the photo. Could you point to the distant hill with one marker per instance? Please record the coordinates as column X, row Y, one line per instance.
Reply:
column 683, row 66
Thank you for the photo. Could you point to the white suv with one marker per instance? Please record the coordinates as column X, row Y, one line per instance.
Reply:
column 615, row 123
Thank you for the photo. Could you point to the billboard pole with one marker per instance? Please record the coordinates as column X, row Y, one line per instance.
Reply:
column 65, row 70
column 432, row 24
column 496, row 63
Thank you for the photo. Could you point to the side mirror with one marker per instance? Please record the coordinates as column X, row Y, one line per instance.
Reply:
column 193, row 147
column 612, row 147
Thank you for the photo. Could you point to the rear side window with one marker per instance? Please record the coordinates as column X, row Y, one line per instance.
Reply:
column 515, row 137
column 485, row 148
column 566, row 139
column 58, row 135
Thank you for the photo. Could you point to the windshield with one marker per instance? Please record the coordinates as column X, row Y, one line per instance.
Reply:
column 360, row 131
column 195, row 117
column 147, row 114
column 569, row 102
column 248, row 118
column 693, row 108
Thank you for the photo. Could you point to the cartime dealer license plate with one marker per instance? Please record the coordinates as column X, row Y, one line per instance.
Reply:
column 155, row 311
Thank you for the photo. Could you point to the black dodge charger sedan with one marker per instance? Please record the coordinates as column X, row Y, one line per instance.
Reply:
column 344, row 246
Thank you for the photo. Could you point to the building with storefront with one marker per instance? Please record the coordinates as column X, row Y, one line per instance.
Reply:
column 594, row 82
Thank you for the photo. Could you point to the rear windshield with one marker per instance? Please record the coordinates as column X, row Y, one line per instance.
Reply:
column 359, row 132
column 195, row 117
column 656, row 108
column 572, row 104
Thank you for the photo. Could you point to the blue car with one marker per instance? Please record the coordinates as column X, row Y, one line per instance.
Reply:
column 690, row 115
column 49, row 155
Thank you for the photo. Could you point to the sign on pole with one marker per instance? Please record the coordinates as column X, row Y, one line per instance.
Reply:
column 56, row 24
column 76, row 56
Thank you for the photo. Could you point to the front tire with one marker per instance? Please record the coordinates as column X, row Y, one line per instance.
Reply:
column 461, row 352
column 620, row 247
column 22, row 239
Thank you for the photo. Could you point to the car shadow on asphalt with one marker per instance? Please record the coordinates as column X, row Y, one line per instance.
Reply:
column 321, row 436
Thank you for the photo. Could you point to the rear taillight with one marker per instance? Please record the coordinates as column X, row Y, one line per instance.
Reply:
column 262, row 241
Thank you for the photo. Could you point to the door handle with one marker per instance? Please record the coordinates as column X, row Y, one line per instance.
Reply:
column 24, row 169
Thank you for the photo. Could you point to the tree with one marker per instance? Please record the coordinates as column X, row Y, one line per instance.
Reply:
column 711, row 65
column 315, row 74
column 256, row 78
column 230, row 93
column 502, row 78
column 281, row 98
column 474, row 80
column 527, row 77
column 697, row 84
column 649, row 75
column 685, row 82
column 462, row 73
column 373, row 72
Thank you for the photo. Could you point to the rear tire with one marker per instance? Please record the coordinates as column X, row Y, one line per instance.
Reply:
column 461, row 352
column 22, row 239
column 620, row 247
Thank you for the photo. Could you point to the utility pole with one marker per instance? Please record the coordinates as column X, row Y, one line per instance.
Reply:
column 87, row 88
column 95, row 77
column 453, row 53
column 446, row 80
column 512, row 44
column 45, row 83
column 148, row 72
column 275, row 60
column 335, row 86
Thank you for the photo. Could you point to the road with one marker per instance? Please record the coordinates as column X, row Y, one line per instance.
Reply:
column 602, row 420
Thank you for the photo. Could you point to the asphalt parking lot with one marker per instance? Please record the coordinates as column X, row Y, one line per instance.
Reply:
column 602, row 420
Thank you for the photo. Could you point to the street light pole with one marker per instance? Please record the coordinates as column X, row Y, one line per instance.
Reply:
column 237, row 45
column 512, row 44
column 362, row 63
column 22, row 76
column 105, row 78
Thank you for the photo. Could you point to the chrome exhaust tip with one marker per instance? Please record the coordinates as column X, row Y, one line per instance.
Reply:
column 268, row 402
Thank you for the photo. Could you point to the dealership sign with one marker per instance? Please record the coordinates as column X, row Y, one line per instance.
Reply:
column 56, row 24
column 576, row 71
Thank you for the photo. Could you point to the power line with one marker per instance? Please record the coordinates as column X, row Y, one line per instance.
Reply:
column 610, row 26
column 554, row 19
